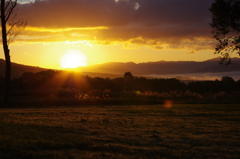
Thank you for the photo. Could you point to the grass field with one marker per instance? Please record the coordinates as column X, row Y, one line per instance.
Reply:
column 155, row 131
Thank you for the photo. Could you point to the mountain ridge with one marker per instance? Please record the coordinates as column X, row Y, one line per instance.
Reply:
column 117, row 69
column 164, row 67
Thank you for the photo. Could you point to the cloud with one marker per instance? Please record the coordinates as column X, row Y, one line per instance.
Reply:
column 167, row 23
column 191, row 52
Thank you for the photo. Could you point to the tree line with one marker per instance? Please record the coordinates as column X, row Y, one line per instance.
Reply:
column 52, row 80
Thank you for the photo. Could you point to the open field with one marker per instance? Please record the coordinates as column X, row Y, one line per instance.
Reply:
column 155, row 131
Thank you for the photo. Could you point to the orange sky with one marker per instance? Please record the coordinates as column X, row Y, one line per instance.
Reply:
column 114, row 31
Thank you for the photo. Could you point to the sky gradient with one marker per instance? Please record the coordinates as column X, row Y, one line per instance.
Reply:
column 114, row 31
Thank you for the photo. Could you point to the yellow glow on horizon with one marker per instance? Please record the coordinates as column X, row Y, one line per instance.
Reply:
column 72, row 59
column 48, row 54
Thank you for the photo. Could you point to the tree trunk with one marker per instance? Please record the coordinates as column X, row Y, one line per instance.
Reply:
column 6, row 53
column 7, row 76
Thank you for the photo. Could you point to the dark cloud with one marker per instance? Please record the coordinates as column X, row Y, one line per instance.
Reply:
column 161, row 20
column 77, row 13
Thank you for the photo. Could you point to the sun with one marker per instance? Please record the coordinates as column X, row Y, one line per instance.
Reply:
column 73, row 59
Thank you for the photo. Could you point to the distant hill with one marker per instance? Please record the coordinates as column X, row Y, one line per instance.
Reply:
column 18, row 69
column 164, row 67
column 117, row 69
column 220, row 68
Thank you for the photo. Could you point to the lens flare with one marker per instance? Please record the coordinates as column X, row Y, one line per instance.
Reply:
column 167, row 104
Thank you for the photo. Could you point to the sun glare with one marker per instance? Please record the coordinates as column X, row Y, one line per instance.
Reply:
column 72, row 59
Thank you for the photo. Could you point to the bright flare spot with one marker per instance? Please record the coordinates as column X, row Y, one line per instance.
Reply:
column 72, row 59
column 167, row 104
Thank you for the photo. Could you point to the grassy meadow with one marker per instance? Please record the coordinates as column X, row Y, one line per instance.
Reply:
column 127, row 131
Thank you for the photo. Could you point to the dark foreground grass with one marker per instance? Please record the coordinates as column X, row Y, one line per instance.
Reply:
column 178, row 131
column 36, row 141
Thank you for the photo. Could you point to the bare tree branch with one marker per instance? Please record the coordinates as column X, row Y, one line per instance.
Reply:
column 6, row 7
column 10, row 10
column 12, row 25
column 15, row 29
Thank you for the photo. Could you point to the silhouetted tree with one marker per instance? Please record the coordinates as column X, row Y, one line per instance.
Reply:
column 128, row 76
column 228, row 80
column 205, row 86
column 118, row 83
column 128, row 81
column 226, row 28
column 228, row 83
column 166, row 85
column 238, row 85
column 10, row 29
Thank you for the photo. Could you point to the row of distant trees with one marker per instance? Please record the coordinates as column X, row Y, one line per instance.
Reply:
column 50, row 80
